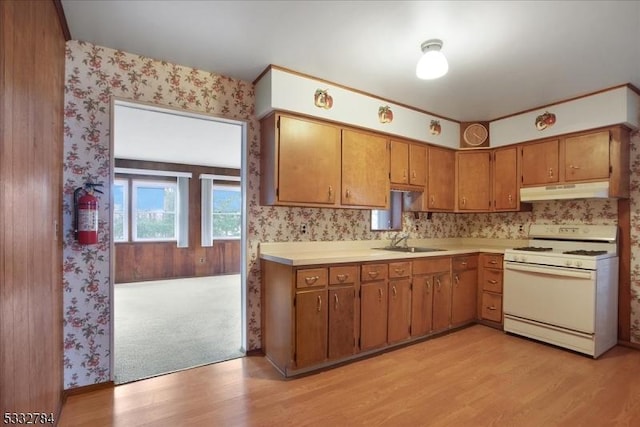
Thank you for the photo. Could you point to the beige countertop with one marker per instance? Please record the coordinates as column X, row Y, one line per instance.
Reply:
column 314, row 253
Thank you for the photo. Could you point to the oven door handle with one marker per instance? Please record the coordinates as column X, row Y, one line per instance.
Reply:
column 550, row 271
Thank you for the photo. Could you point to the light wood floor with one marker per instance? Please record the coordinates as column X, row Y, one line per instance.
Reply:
column 474, row 377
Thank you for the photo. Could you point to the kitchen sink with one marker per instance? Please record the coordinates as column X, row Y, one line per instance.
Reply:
column 410, row 249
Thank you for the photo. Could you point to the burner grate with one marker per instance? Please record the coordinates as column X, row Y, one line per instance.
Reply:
column 533, row 249
column 584, row 252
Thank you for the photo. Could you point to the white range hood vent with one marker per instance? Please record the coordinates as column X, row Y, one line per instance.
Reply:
column 589, row 190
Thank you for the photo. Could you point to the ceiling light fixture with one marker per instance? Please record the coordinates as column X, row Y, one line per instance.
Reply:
column 433, row 63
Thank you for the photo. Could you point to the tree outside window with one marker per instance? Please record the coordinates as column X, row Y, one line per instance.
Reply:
column 154, row 210
column 226, row 212
column 120, row 210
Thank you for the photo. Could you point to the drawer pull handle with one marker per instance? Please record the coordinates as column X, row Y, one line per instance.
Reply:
column 330, row 193
column 379, row 294
column 493, row 282
column 438, row 283
column 493, row 261
column 311, row 279
column 335, row 297
column 347, row 193
column 319, row 303
column 399, row 271
column 342, row 277
column 492, row 308
column 395, row 291
column 457, row 279
column 428, row 284
column 373, row 274
column 463, row 263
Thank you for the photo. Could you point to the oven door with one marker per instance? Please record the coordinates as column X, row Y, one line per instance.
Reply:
column 563, row 297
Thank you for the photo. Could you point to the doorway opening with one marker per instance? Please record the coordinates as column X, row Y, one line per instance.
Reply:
column 178, row 264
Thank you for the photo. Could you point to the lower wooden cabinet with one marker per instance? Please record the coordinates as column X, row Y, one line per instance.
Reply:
column 374, row 306
column 464, row 293
column 490, row 287
column 311, row 327
column 315, row 316
column 399, row 314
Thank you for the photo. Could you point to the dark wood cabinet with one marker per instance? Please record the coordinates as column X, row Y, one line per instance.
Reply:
column 374, row 306
column 399, row 316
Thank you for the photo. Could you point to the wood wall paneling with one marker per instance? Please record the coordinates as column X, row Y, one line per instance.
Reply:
column 140, row 261
column 31, row 126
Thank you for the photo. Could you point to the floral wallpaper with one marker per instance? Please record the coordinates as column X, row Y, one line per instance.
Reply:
column 94, row 74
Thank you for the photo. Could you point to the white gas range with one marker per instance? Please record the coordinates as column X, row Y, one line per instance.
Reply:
column 563, row 288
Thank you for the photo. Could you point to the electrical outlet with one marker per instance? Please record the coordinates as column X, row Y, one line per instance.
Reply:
column 303, row 228
column 521, row 228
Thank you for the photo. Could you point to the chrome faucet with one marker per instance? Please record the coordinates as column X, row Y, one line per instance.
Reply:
column 397, row 239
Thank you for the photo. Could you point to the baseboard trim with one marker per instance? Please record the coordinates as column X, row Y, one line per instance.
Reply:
column 255, row 352
column 87, row 389
column 629, row 344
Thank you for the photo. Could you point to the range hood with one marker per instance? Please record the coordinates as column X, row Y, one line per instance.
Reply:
column 589, row 190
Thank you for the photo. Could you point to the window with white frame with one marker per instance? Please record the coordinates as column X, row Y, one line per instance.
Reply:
column 226, row 213
column 120, row 210
column 154, row 210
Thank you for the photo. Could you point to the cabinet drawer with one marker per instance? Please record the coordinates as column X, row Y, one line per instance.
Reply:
column 371, row 272
column 492, row 280
column 492, row 261
column 464, row 262
column 431, row 265
column 342, row 275
column 311, row 277
column 492, row 307
column 399, row 269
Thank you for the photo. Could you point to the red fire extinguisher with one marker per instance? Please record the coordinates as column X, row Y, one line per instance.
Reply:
column 86, row 214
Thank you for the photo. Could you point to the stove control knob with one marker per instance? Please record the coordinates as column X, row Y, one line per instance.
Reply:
column 579, row 263
column 568, row 263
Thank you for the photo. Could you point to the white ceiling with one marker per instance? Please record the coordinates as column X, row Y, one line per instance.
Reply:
column 146, row 133
column 504, row 57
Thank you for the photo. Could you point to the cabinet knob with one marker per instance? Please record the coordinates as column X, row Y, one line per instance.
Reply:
column 311, row 279
column 399, row 271
column 342, row 277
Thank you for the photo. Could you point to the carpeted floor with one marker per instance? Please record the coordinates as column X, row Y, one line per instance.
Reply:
column 169, row 325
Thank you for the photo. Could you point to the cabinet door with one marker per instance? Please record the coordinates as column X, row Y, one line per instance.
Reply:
column 417, row 164
column 311, row 327
column 399, row 165
column 586, row 157
column 474, row 180
column 505, row 179
column 308, row 161
column 399, row 322
column 341, row 322
column 373, row 315
column 421, row 305
column 539, row 162
column 441, row 301
column 365, row 179
column 464, row 297
column 441, row 179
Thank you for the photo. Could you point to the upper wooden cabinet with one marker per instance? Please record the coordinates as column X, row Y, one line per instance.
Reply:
column 586, row 157
column 540, row 161
column 506, row 195
column 307, row 162
column 408, row 165
column 473, row 173
column 440, row 179
column 300, row 161
column 599, row 155
column 365, row 180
